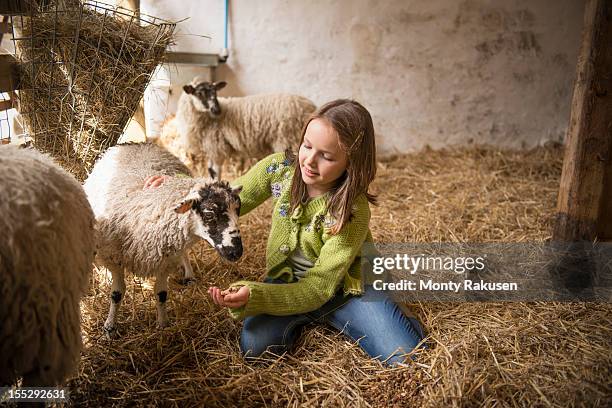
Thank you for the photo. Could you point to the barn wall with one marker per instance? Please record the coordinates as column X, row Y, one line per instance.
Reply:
column 436, row 72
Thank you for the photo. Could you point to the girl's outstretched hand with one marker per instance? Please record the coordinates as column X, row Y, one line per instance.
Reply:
column 236, row 298
column 230, row 297
column 215, row 294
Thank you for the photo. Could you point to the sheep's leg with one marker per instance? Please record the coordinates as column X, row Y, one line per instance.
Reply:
column 214, row 168
column 117, row 292
column 161, row 290
column 34, row 379
column 189, row 276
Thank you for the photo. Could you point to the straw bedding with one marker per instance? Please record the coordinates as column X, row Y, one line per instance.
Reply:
column 493, row 354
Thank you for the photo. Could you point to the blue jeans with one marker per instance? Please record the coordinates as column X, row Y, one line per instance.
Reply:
column 372, row 319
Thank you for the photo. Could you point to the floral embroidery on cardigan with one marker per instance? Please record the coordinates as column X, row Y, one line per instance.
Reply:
column 276, row 188
column 275, row 167
column 272, row 168
column 329, row 221
column 315, row 224
column 283, row 209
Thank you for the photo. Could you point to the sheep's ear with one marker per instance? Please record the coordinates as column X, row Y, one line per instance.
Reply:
column 220, row 85
column 237, row 190
column 188, row 89
column 183, row 207
column 187, row 202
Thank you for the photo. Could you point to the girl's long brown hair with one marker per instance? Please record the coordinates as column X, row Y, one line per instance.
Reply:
column 353, row 124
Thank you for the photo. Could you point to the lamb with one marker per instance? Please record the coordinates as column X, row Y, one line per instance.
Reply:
column 148, row 231
column 46, row 255
column 241, row 127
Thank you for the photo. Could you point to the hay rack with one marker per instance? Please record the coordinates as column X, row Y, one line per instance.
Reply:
column 75, row 74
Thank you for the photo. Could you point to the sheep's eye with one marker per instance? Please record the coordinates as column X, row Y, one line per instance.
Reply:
column 208, row 216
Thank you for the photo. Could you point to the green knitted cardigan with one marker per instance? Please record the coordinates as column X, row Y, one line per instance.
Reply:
column 336, row 258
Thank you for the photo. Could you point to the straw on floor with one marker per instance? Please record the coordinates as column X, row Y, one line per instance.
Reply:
column 480, row 354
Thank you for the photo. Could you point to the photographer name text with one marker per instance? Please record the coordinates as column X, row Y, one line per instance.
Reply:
column 450, row 286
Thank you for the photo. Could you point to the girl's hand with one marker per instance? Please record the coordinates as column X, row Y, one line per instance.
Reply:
column 215, row 294
column 230, row 297
column 154, row 181
column 236, row 298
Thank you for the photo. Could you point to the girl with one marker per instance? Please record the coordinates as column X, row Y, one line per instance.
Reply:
column 320, row 221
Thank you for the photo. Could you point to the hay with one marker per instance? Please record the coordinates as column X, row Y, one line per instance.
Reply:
column 493, row 354
column 84, row 70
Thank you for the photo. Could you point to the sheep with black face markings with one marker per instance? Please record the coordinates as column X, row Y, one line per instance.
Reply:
column 245, row 127
column 148, row 231
column 46, row 255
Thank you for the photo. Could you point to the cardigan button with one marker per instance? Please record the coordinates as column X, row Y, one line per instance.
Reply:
column 284, row 249
column 297, row 213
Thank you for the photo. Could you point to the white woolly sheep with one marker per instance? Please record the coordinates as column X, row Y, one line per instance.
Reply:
column 241, row 127
column 148, row 231
column 46, row 255
column 194, row 158
column 169, row 139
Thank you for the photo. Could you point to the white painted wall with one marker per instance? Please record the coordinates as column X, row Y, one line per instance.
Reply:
column 436, row 72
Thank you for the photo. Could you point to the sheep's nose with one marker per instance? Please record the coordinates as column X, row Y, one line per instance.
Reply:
column 233, row 252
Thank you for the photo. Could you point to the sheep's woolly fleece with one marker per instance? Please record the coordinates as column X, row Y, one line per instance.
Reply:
column 137, row 228
column 249, row 126
column 46, row 253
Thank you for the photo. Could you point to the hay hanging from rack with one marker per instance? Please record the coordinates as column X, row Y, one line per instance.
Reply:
column 84, row 69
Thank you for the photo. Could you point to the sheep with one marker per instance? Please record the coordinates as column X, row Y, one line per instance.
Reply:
column 240, row 127
column 148, row 231
column 46, row 256
column 194, row 159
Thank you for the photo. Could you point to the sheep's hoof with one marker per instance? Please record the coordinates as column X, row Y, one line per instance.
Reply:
column 111, row 332
column 187, row 281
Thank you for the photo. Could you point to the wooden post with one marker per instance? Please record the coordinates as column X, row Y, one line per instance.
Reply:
column 9, row 73
column 5, row 27
column 586, row 177
column 135, row 130
column 13, row 7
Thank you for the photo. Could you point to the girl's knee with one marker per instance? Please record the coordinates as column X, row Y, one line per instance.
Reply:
column 249, row 346
column 262, row 333
column 253, row 348
column 255, row 343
